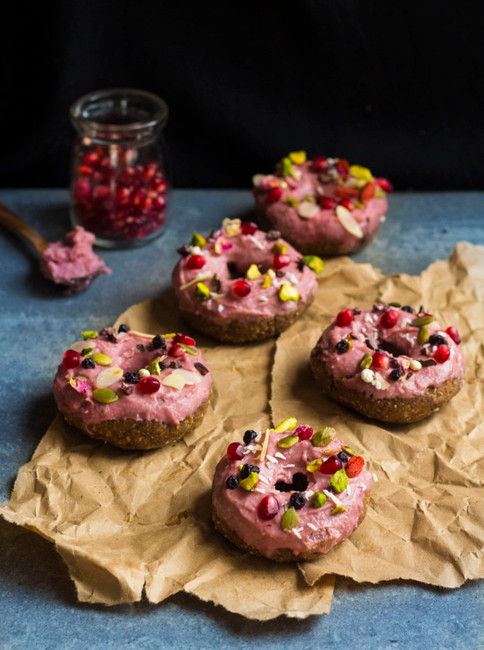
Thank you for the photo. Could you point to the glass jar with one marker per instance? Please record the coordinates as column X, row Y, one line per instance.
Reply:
column 119, row 171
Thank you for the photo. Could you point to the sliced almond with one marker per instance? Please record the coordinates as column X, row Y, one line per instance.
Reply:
column 257, row 179
column 200, row 278
column 188, row 376
column 307, row 209
column 379, row 379
column 348, row 222
column 108, row 377
column 265, row 444
column 174, row 381
column 79, row 346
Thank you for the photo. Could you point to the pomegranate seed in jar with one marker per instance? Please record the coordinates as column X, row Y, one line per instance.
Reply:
column 268, row 507
column 344, row 318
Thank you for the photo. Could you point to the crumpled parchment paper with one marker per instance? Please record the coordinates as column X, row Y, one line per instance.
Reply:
column 425, row 519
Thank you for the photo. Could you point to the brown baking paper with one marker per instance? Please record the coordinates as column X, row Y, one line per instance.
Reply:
column 425, row 519
column 131, row 522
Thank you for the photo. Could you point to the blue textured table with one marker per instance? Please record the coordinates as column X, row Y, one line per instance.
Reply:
column 38, row 607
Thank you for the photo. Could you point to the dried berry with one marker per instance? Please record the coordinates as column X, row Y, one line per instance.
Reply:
column 342, row 346
column 249, row 435
column 158, row 342
column 248, row 469
column 354, row 466
column 396, row 374
column 394, row 363
column 343, row 457
column 297, row 500
column 88, row 363
column 437, row 339
column 369, row 344
column 408, row 309
column 123, row 328
column 140, row 347
column 232, row 482
column 131, row 378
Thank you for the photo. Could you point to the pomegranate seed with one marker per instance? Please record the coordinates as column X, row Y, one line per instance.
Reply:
column 303, row 432
column 196, row 262
column 344, row 318
column 319, row 164
column 380, row 360
column 343, row 166
column 274, row 194
column 326, row 203
column 331, row 465
column 346, row 203
column 354, row 466
column 71, row 359
column 149, row 385
column 279, row 261
column 268, row 507
column 235, row 451
column 85, row 170
column 249, row 228
column 384, row 184
column 183, row 338
column 442, row 353
column 159, row 203
column 454, row 334
column 176, row 350
column 241, row 288
column 91, row 158
column 389, row 319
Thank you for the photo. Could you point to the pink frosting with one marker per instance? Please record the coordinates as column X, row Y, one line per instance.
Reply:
column 237, row 508
column 167, row 406
column 401, row 341
column 73, row 262
column 324, row 225
column 242, row 251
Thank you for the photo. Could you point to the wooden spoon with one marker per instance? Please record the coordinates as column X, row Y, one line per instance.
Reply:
column 73, row 283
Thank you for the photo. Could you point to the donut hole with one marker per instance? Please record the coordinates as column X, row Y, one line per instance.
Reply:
column 299, row 484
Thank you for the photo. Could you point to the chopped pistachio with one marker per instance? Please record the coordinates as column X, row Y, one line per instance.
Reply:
column 101, row 359
column 362, row 173
column 315, row 263
column 366, row 361
column 339, row 481
column 351, row 452
column 338, row 510
column 319, row 499
column 288, row 292
column 202, row 292
column 298, row 157
column 314, row 465
column 89, row 334
column 86, row 352
column 253, row 272
column 198, row 240
column 422, row 320
column 379, row 193
column 267, row 281
column 423, row 335
column 289, row 519
column 154, row 368
column 250, row 482
column 288, row 441
column 104, row 395
column 286, row 167
column 310, row 198
column 290, row 200
column 189, row 349
column 289, row 424
column 279, row 248
column 323, row 437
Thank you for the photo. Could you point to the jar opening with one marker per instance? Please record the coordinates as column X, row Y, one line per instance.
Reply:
column 121, row 110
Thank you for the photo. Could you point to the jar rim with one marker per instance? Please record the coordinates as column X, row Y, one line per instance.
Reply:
column 83, row 110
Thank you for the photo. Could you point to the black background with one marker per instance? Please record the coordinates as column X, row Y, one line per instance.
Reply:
column 398, row 87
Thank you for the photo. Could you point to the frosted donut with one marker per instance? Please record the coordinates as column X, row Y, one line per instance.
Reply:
column 290, row 493
column 241, row 284
column 324, row 206
column 389, row 363
column 133, row 390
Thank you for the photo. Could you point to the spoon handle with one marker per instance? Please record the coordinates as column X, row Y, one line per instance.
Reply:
column 19, row 227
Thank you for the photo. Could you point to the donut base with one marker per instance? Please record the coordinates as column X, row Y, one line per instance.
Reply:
column 397, row 410
column 281, row 555
column 139, row 434
column 245, row 331
column 318, row 247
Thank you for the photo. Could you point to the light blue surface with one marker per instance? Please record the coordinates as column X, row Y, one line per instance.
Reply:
column 38, row 607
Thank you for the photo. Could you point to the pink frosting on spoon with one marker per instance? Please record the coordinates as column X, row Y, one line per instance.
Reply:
column 168, row 405
column 238, row 508
column 400, row 343
column 241, row 251
column 324, row 225
column 73, row 263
